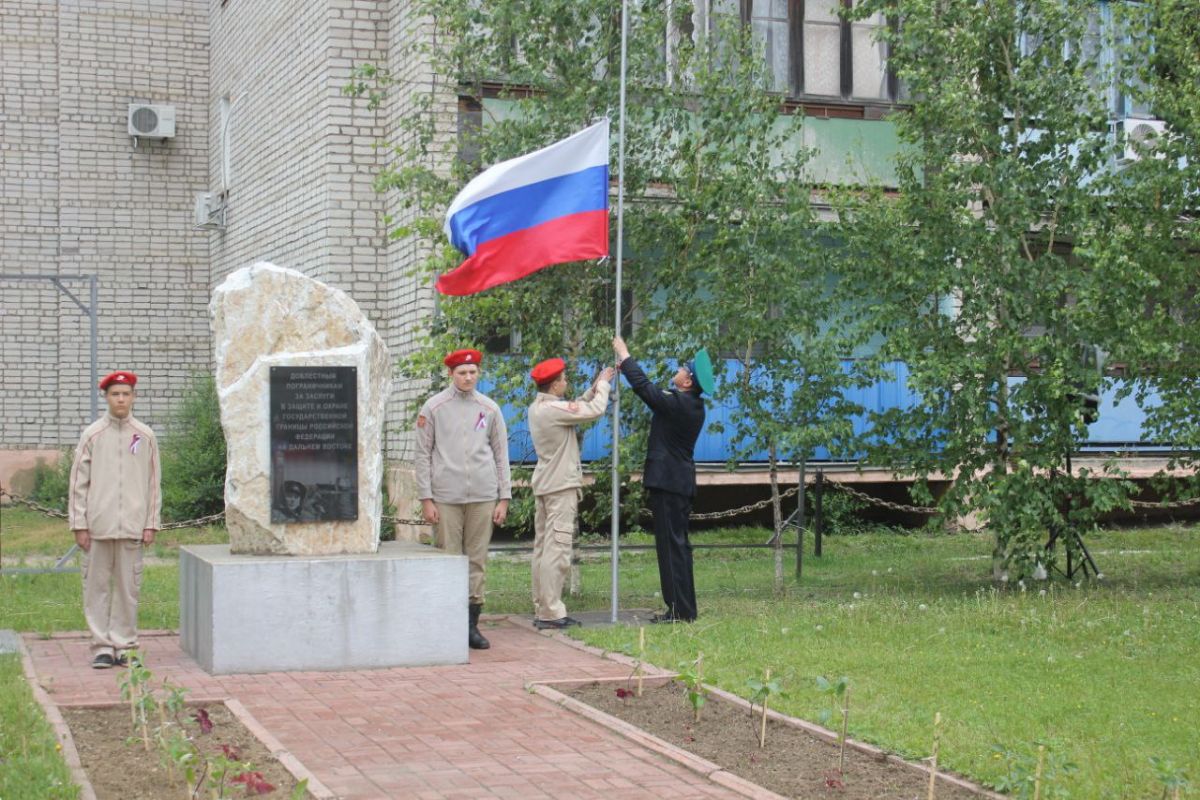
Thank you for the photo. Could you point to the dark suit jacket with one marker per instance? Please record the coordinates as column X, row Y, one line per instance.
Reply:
column 674, row 428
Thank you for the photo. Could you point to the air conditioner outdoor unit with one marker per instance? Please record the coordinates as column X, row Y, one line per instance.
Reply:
column 1141, row 136
column 151, row 121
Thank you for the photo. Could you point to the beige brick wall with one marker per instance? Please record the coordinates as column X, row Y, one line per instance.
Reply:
column 79, row 198
column 411, row 302
column 302, row 157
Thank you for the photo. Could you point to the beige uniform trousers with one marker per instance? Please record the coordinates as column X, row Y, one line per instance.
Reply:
column 554, row 533
column 467, row 528
column 112, row 580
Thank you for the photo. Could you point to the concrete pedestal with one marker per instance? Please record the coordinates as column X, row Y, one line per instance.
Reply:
column 403, row 606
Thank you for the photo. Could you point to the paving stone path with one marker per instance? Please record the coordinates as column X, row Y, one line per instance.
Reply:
column 428, row 733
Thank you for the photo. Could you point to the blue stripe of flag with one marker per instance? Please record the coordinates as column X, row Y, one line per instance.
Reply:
column 529, row 205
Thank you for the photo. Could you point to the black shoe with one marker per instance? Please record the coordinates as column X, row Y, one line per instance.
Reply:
column 669, row 618
column 475, row 639
column 555, row 624
column 103, row 661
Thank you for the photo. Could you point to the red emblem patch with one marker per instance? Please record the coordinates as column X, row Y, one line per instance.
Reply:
column 421, row 421
column 573, row 407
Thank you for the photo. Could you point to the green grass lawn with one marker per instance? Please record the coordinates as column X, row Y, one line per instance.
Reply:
column 31, row 766
column 1107, row 672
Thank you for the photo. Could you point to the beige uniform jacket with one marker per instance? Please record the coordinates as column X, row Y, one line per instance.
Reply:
column 116, row 479
column 462, row 449
column 552, row 425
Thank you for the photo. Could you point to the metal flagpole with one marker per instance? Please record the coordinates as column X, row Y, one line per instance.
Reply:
column 616, row 406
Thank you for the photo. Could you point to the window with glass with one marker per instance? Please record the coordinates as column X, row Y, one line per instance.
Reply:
column 810, row 50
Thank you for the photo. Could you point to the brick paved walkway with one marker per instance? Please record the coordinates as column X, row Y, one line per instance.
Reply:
column 469, row 731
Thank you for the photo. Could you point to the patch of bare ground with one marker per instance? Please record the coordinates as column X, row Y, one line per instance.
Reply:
column 120, row 768
column 794, row 763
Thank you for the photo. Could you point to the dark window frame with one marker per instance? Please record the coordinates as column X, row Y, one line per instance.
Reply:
column 796, row 96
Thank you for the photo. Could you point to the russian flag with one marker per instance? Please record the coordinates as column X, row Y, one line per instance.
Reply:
column 531, row 212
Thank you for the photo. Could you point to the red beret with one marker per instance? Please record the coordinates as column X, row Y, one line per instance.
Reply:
column 460, row 357
column 547, row 370
column 123, row 376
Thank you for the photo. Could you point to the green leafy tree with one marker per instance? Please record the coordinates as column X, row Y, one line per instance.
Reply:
column 750, row 273
column 995, row 265
column 721, row 244
column 1156, row 263
column 193, row 454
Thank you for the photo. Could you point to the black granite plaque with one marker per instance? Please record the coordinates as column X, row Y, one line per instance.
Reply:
column 314, row 444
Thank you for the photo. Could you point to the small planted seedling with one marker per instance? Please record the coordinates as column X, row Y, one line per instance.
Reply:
column 1173, row 778
column 834, row 690
column 760, row 692
column 134, row 683
column 218, row 771
column 254, row 782
column 691, row 674
column 1034, row 774
column 641, row 657
column 933, row 759
column 838, row 690
column 224, row 765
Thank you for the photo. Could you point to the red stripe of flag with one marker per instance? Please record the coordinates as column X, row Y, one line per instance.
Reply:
column 575, row 237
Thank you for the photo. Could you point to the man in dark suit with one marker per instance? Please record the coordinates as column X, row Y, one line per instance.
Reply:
column 677, row 416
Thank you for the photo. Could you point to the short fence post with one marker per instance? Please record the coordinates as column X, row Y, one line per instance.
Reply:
column 800, row 524
column 818, row 514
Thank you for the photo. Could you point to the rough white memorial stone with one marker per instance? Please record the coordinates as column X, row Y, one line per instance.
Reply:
column 267, row 316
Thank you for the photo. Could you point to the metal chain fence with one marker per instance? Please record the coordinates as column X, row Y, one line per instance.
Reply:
column 879, row 502
column 200, row 522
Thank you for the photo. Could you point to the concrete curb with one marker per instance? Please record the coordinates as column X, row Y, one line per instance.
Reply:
column 85, row 635
column 59, row 725
column 293, row 765
column 703, row 767
column 712, row 771
column 867, row 749
column 281, row 754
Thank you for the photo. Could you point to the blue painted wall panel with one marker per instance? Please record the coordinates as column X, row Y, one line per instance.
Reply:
column 1120, row 423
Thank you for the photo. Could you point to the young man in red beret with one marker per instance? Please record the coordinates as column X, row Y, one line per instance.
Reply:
column 557, row 481
column 463, row 478
column 115, row 503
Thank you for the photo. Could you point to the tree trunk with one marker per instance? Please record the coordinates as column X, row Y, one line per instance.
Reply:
column 999, row 469
column 777, row 513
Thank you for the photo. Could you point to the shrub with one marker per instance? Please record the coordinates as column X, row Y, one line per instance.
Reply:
column 387, row 528
column 193, row 455
column 51, row 482
column 842, row 511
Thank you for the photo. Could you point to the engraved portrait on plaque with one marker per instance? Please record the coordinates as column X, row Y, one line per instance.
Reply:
column 314, row 444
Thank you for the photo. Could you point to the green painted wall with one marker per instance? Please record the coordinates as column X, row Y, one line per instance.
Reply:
column 846, row 151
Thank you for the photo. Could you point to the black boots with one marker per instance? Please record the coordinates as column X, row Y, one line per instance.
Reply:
column 474, row 638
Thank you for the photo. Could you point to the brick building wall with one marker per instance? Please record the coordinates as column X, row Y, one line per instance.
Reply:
column 262, row 119
column 411, row 302
column 301, row 154
column 78, row 198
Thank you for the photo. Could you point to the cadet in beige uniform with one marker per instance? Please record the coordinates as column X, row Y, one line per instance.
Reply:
column 115, row 502
column 463, row 478
column 557, row 480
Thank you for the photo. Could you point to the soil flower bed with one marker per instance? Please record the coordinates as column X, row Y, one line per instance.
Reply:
column 120, row 768
column 793, row 763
